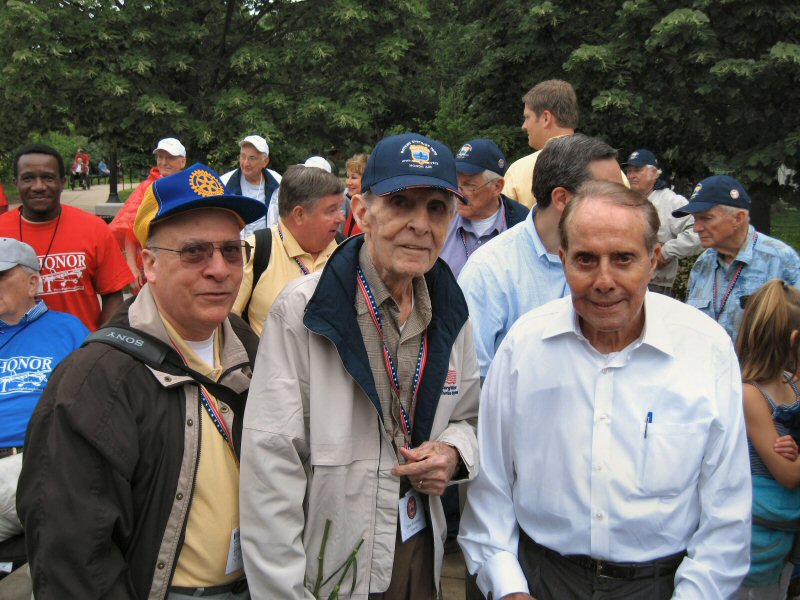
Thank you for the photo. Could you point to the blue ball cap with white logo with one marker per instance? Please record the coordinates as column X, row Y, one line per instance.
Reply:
column 482, row 154
column 713, row 191
column 642, row 158
column 409, row 160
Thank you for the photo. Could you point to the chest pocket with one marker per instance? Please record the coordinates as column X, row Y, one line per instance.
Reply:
column 671, row 457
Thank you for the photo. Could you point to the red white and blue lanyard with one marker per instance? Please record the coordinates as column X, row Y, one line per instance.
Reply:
column 391, row 369
column 464, row 235
column 211, row 409
column 299, row 262
column 734, row 279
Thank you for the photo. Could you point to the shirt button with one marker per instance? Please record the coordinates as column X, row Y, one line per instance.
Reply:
column 189, row 422
column 223, row 408
column 179, row 496
column 605, row 370
column 598, row 515
column 598, row 467
column 167, row 378
column 161, row 565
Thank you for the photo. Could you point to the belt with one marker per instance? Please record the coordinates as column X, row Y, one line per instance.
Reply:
column 6, row 452
column 235, row 587
column 659, row 567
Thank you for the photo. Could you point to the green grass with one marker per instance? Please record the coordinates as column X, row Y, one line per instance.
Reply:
column 786, row 227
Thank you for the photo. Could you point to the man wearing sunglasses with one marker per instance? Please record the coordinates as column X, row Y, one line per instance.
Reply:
column 132, row 452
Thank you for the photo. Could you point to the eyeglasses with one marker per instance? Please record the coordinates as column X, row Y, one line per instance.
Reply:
column 470, row 188
column 200, row 253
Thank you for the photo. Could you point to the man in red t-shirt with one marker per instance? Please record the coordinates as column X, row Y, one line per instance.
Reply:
column 78, row 256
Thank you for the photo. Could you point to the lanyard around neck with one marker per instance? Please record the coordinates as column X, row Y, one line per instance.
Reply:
column 299, row 262
column 464, row 235
column 406, row 418
column 734, row 279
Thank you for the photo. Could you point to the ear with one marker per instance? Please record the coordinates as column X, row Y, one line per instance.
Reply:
column 654, row 259
column 358, row 206
column 498, row 185
column 562, row 254
column 559, row 198
column 297, row 214
column 546, row 118
column 148, row 262
column 33, row 285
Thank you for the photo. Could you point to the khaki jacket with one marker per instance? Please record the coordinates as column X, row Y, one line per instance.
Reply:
column 314, row 446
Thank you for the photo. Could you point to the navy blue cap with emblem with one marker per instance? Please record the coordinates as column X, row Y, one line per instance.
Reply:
column 642, row 158
column 482, row 154
column 713, row 191
column 409, row 160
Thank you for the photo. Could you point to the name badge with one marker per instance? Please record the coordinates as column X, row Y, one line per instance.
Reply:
column 235, row 562
column 412, row 514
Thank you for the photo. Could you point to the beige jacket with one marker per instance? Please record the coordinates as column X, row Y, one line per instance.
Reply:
column 314, row 446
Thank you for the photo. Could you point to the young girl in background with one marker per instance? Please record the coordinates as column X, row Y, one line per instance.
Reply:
column 767, row 346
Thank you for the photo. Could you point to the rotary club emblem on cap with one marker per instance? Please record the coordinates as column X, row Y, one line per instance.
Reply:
column 205, row 184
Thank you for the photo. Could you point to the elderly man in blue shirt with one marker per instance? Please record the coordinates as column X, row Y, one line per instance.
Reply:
column 738, row 259
column 480, row 165
column 520, row 270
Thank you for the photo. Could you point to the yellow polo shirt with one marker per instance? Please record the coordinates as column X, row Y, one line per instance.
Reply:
column 214, row 511
column 282, row 269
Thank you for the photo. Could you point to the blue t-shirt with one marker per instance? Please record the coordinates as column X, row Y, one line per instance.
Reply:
column 29, row 351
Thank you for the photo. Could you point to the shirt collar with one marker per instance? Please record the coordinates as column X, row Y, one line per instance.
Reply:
column 656, row 335
column 293, row 248
column 541, row 251
column 745, row 253
column 497, row 226
column 36, row 311
column 422, row 300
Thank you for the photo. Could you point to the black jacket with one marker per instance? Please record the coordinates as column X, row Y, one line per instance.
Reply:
column 110, row 459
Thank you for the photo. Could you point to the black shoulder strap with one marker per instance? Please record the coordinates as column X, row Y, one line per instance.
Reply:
column 261, row 258
column 158, row 355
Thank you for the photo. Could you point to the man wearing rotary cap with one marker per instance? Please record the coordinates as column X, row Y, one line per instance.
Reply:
column 364, row 398
column 132, row 452
column 738, row 259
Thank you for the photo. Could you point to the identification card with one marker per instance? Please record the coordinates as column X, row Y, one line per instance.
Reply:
column 412, row 514
column 235, row 562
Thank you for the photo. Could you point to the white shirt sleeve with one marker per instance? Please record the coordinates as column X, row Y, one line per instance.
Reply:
column 489, row 531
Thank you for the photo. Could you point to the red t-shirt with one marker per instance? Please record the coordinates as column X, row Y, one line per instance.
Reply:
column 83, row 260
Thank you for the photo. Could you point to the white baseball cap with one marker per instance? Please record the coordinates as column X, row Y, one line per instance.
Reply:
column 171, row 145
column 258, row 142
column 319, row 162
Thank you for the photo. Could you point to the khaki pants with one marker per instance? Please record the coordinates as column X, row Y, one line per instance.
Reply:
column 412, row 570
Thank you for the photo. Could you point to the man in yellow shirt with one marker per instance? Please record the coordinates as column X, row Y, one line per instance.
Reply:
column 130, row 487
column 309, row 204
column 551, row 110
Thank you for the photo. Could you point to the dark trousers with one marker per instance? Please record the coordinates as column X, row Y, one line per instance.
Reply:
column 553, row 577
column 412, row 569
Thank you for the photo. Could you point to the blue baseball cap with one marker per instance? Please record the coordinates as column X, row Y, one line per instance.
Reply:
column 713, row 191
column 482, row 154
column 409, row 160
column 642, row 158
column 196, row 187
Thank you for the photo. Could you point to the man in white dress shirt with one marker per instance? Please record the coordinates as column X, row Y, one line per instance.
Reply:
column 612, row 444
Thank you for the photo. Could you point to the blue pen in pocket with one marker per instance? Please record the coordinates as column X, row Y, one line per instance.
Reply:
column 647, row 421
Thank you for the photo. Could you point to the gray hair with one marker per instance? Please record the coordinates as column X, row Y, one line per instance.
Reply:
column 618, row 195
column 304, row 186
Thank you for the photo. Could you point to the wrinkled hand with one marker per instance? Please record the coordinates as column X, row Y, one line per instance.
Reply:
column 429, row 467
column 786, row 447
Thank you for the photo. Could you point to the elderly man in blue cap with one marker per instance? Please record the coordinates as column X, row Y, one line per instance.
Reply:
column 675, row 233
column 130, row 485
column 738, row 259
column 364, row 399
column 480, row 165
